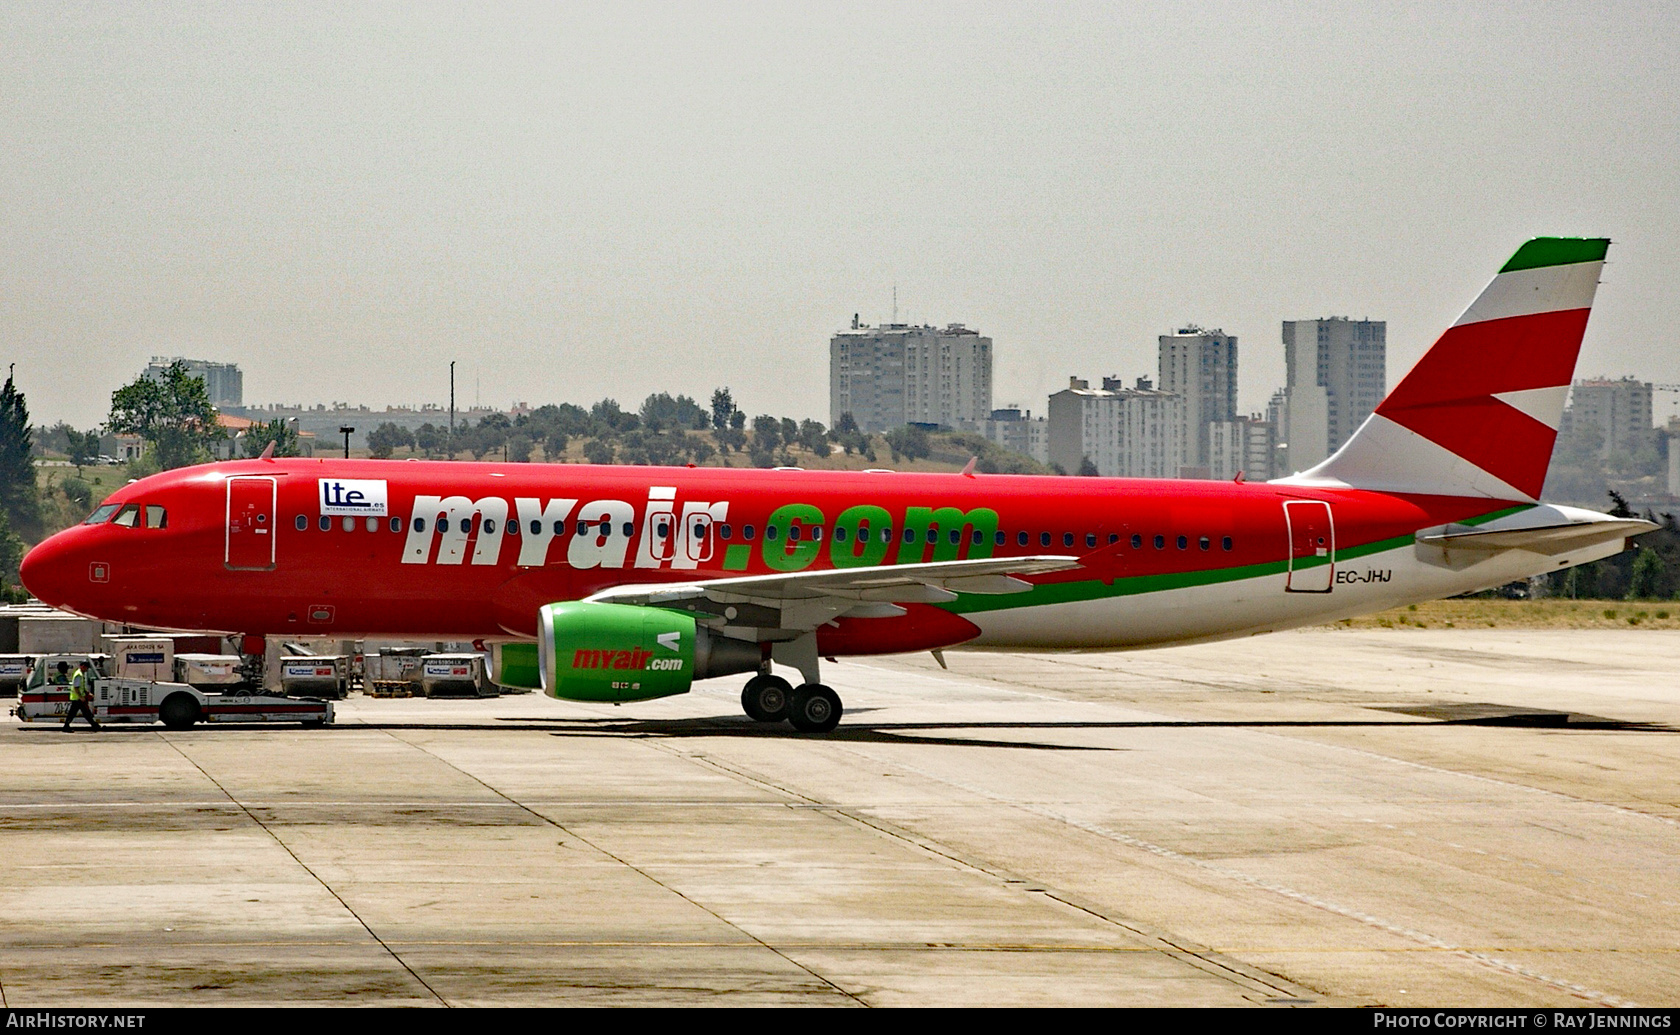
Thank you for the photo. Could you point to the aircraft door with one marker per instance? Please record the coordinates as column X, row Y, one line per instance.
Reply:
column 1312, row 546
column 697, row 535
column 250, row 523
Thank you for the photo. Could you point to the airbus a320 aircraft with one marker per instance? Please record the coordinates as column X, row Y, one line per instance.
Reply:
column 628, row 583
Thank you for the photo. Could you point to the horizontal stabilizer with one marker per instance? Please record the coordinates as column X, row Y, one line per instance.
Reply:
column 1543, row 530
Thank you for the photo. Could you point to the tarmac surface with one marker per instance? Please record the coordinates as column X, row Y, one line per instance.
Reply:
column 1327, row 817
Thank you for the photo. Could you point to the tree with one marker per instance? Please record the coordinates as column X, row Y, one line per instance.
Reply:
column 723, row 408
column 1646, row 580
column 387, row 439
column 519, row 447
column 814, row 437
column 1087, row 469
column 280, row 431
column 172, row 413
column 910, row 441
column 431, row 439
column 83, row 447
column 19, row 501
column 598, row 451
column 1619, row 505
column 767, row 433
column 554, row 446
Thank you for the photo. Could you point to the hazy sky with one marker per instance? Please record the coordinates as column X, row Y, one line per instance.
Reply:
column 576, row 201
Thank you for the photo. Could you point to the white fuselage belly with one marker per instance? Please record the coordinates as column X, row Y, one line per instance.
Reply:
column 1250, row 606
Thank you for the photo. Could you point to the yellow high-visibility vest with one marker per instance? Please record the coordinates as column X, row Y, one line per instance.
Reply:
column 78, row 685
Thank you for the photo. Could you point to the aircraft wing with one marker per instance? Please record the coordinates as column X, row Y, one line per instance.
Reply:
column 801, row 601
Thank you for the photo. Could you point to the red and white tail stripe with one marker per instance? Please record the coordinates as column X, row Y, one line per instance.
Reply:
column 1479, row 413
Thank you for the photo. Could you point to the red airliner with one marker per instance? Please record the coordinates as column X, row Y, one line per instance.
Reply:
column 626, row 583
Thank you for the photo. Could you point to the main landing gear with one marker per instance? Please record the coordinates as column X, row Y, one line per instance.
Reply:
column 811, row 708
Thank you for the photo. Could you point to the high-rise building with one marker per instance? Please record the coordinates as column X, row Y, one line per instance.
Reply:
column 1125, row 432
column 1200, row 367
column 1617, row 412
column 222, row 381
column 1017, row 430
column 1243, row 446
column 1337, row 375
column 897, row 374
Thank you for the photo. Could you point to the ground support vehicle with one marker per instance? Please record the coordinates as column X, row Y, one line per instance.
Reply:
column 176, row 705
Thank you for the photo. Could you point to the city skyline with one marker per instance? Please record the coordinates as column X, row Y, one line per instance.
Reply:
column 355, row 197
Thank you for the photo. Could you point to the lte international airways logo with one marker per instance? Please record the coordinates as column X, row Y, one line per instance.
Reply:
column 353, row 496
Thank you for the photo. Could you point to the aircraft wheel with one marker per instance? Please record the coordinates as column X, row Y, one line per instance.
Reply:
column 178, row 711
column 814, row 708
column 765, row 698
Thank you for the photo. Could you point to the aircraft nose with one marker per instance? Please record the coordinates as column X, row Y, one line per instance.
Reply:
column 48, row 571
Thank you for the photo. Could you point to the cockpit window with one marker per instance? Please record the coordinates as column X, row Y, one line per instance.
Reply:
column 127, row 517
column 156, row 517
column 102, row 515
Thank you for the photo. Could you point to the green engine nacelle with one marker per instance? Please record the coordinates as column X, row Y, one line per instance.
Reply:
column 515, row 665
column 618, row 652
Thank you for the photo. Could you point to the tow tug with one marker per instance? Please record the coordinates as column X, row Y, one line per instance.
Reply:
column 176, row 705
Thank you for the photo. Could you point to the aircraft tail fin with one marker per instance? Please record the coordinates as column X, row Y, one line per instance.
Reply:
column 1478, row 415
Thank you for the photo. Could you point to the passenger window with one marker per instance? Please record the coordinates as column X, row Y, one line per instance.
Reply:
column 1090, row 540
column 629, row 530
column 771, row 532
column 1183, row 542
column 302, row 523
column 886, row 534
column 1020, row 538
column 933, row 535
column 466, row 525
column 998, row 538
column 1067, row 539
column 559, row 528
column 100, row 516
column 373, row 524
column 1044, row 538
column 700, row 532
column 512, row 527
column 1225, row 543
column 840, row 533
column 1204, row 542
column 583, row 528
column 909, row 535
column 793, row 533
column 747, row 532
column 349, row 524
column 536, row 527
column 816, row 533
column 156, row 518
column 954, row 536
column 325, row 524
column 419, row 524
column 127, row 517
column 396, row 524
column 1113, row 537
column 726, row 532
column 1137, row 542
column 662, row 529
column 1160, row 542
column 489, row 527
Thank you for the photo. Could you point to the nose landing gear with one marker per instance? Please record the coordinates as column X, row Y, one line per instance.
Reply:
column 812, row 708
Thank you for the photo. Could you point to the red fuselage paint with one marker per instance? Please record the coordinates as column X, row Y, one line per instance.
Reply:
column 253, row 557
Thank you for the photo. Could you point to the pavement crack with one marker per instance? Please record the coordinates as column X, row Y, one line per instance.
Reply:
column 632, row 867
column 307, row 869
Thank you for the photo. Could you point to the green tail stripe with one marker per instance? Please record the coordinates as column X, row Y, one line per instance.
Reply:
column 1557, row 251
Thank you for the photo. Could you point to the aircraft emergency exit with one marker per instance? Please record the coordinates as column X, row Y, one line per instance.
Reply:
column 627, row 583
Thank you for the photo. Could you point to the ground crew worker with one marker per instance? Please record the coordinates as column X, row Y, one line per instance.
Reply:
column 79, row 701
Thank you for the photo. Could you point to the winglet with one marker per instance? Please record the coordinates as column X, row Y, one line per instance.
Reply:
column 268, row 452
column 968, row 469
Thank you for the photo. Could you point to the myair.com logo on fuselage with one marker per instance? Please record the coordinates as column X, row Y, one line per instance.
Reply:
column 687, row 534
column 360, row 497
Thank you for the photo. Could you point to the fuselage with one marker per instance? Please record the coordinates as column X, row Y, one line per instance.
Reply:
column 442, row 550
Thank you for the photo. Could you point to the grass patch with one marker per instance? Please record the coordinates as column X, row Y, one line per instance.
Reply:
column 1514, row 614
